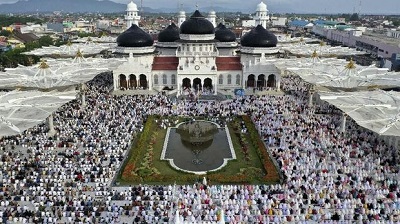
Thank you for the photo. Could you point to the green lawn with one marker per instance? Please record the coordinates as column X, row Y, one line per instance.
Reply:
column 241, row 170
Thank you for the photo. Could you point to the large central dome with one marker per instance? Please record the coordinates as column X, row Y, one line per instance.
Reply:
column 134, row 37
column 197, row 24
column 259, row 37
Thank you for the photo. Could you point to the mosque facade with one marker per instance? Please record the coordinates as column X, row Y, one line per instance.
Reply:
column 196, row 54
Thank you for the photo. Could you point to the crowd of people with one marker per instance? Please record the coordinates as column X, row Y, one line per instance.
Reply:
column 328, row 175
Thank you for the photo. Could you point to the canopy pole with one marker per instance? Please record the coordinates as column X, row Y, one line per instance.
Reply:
column 50, row 121
column 83, row 99
column 83, row 95
column 310, row 99
column 343, row 124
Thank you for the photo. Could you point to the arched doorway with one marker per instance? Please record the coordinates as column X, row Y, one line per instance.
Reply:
column 186, row 83
column 208, row 84
column 251, row 80
column 143, row 81
column 261, row 81
column 197, row 84
column 122, row 82
column 132, row 81
column 271, row 81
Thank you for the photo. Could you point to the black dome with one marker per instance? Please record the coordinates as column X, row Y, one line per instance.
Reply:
column 259, row 37
column 219, row 26
column 134, row 37
column 169, row 34
column 197, row 24
column 224, row 34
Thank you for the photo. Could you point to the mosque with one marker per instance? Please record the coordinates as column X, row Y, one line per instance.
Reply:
column 196, row 54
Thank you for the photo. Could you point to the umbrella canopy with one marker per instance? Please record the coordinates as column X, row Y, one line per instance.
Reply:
column 70, row 49
column 57, row 73
column 20, row 110
column 288, row 39
column 292, row 63
column 102, row 39
column 378, row 110
column 345, row 75
column 322, row 49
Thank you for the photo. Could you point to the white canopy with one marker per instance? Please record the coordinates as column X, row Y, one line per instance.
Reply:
column 20, row 110
column 288, row 39
column 102, row 39
column 56, row 73
column 378, row 110
column 292, row 63
column 322, row 49
column 70, row 49
column 346, row 75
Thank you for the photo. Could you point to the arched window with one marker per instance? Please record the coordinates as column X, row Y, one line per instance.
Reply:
column 238, row 79
column 173, row 79
column 155, row 79
column 221, row 80
column 229, row 79
column 164, row 79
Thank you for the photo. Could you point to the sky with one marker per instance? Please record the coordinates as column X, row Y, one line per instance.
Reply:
column 305, row 6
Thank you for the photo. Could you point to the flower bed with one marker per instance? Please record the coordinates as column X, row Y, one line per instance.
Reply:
column 272, row 172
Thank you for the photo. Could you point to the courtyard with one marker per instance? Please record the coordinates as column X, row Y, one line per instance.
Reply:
column 162, row 154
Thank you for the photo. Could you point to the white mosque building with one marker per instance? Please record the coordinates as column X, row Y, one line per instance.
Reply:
column 196, row 55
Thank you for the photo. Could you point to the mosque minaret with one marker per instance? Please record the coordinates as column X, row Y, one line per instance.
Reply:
column 132, row 15
column 181, row 17
column 262, row 17
column 212, row 17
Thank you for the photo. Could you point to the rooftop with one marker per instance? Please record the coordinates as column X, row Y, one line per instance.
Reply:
column 381, row 37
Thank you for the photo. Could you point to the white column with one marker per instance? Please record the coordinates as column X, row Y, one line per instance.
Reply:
column 278, row 85
column 179, row 83
column 243, row 82
column 215, row 85
column 115, row 83
column 137, row 83
column 50, row 121
column 343, row 124
column 150, row 83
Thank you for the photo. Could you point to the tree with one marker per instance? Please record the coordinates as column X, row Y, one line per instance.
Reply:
column 396, row 23
column 5, row 33
column 46, row 41
column 354, row 17
column 60, row 42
